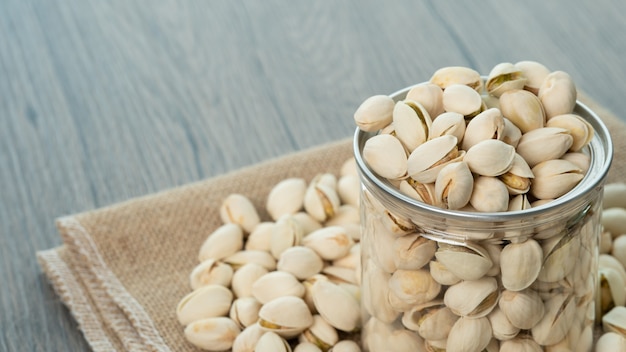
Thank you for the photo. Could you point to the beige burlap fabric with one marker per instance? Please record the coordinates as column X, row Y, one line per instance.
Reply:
column 122, row 269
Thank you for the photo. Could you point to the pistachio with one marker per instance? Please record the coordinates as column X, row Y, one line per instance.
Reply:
column 385, row 155
column 472, row 298
column 286, row 197
column 261, row 237
column 454, row 185
column 424, row 193
column 287, row 316
column 432, row 320
column 276, row 284
column 413, row 286
column 345, row 215
column 582, row 160
column 413, row 251
column 611, row 341
column 204, row 302
column 523, row 309
column 608, row 261
column 287, row 233
column 211, row 272
column 345, row 346
column 374, row 113
column 349, row 188
column 580, row 130
column 352, row 260
column 379, row 336
column 558, row 94
column 245, row 311
column 320, row 334
column 523, row 108
column 614, row 220
column 467, row 262
column 517, row 178
column 212, row 334
column 425, row 161
column 489, row 124
column 337, row 306
column 511, row 134
column 490, row 101
column 520, row 264
column 543, row 144
column 489, row 195
column 307, row 222
column 349, row 168
column 329, row 243
column 301, row 262
column 321, row 201
column 222, row 242
column 446, row 76
column 554, row 178
column 247, row 340
column 490, row 157
column 557, row 320
column 441, row 274
column 560, row 255
column 272, row 342
column 606, row 244
column 501, row 326
column 340, row 275
column 505, row 76
column 412, row 123
column 520, row 344
column 451, row 123
column 238, row 209
column 429, row 95
column 611, row 291
column 375, row 293
column 469, row 334
column 241, row 258
column 306, row 347
column 535, row 74
column 614, row 196
column 244, row 277
column 462, row 99
column 619, row 249
column 615, row 320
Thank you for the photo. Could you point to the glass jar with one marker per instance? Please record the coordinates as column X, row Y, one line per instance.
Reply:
column 436, row 279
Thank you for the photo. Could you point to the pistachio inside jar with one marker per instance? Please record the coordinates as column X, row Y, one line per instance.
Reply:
column 481, row 204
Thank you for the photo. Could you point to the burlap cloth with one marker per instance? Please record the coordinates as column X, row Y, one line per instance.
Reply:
column 123, row 268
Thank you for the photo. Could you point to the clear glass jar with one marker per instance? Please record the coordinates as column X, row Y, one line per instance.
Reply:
column 436, row 279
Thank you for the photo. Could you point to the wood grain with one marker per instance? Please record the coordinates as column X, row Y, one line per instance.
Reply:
column 104, row 101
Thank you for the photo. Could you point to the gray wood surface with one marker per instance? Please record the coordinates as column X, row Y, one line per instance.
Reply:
column 102, row 101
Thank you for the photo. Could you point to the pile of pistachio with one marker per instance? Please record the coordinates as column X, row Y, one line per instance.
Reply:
column 457, row 143
column 289, row 283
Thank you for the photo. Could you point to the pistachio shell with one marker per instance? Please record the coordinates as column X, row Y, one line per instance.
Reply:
column 379, row 336
column 451, row 123
column 375, row 293
column 212, row 334
column 238, row 209
column 204, row 302
column 320, row 334
column 520, row 344
column 535, row 74
column 329, row 243
column 425, row 161
column 582, row 160
column 523, row 308
column 463, row 100
column 245, row 311
column 211, row 272
column 414, row 286
column 554, row 178
column 560, row 255
column 345, row 215
column 468, row 262
column 520, row 264
column 286, row 233
column 374, row 113
column 502, row 328
column 472, row 298
column 385, row 155
column 261, row 237
column 615, row 320
column 523, row 108
column 349, row 189
column 276, row 284
column 432, row 320
column 580, row 130
column 286, row 197
column 558, row 94
column 424, row 193
column 611, row 341
column 614, row 220
column 490, row 157
column 307, row 222
column 302, row 262
column 504, row 76
column 339, row 274
column 345, row 346
column 413, row 251
column 489, row 124
column 611, row 292
column 441, row 274
column 251, row 256
column 557, row 320
column 307, row 347
column 511, row 134
column 412, row 123
column 247, row 340
column 469, row 334
column 429, row 95
column 272, row 342
column 338, row 307
column 517, row 179
column 454, row 186
column 446, row 76
column 349, row 168
column 244, row 277
column 543, row 144
column 287, row 316
column 222, row 242
column 321, row 201
column 614, row 195
column 490, row 195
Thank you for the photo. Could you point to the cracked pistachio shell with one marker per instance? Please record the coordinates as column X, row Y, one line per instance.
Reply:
column 615, row 320
column 287, row 233
column 582, row 160
column 520, row 344
column 380, row 336
column 321, row 201
column 559, row 257
column 380, row 245
column 505, row 76
column 611, row 341
column 608, row 261
column 467, row 262
column 276, row 284
column 432, row 320
column 345, row 215
column 286, row 197
column 447, row 76
column 385, row 155
column 554, row 178
column 489, row 124
column 204, row 302
column 330, row 243
column 490, row 157
column 374, row 113
column 241, row 258
column 244, row 277
column 301, row 262
column 375, row 293
column 543, row 144
column 520, row 264
column 535, row 74
column 580, row 130
column 246, row 340
column 212, row 334
column 349, row 190
column 429, row 95
column 611, row 291
column 454, row 186
column 517, row 179
column 272, row 342
column 558, row 94
column 502, row 328
column 451, row 123
column 336, row 305
column 340, row 275
column 345, row 346
column 287, row 316
column 307, row 222
column 557, row 320
column 523, row 308
column 412, row 123
column 320, row 334
column 425, row 161
column 490, row 195
column 469, row 334
column 224, row 241
column 413, row 286
column 511, row 134
column 413, row 251
column 211, row 272
column 463, row 100
column 245, row 311
column 261, row 237
column 352, row 260
column 238, row 209
column 424, row 193
column 523, row 108
column 472, row 298
column 494, row 250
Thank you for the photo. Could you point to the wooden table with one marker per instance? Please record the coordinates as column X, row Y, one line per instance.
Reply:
column 102, row 101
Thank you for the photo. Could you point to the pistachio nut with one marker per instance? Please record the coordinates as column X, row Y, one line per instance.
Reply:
column 301, row 262
column 543, row 144
column 520, row 344
column 287, row 316
column 611, row 341
column 349, row 167
column 557, row 320
column 524, row 309
column 349, row 189
column 425, row 161
column 320, row 334
column 608, row 261
column 582, row 160
column 211, row 272
column 336, row 305
column 489, row 195
column 472, row 298
column 432, row 320
column 490, row 157
column 535, row 74
column 413, row 251
column 489, row 124
column 490, row 101
column 286, row 197
column 261, row 237
column 412, row 123
column 374, row 113
column 244, row 277
column 414, row 286
column 345, row 346
column 559, row 256
column 241, row 258
column 307, row 222
column 340, row 275
column 520, row 264
column 619, row 249
column 517, row 180
column 580, row 130
column 441, row 274
column 375, row 293
column 424, row 193
column 345, row 215
column 238, row 209
column 429, row 95
column 554, row 178
column 462, row 99
column 614, row 195
column 245, row 311
column 287, row 233
column 222, row 242
column 501, row 326
column 307, row 347
column 451, row 123
column 352, row 260
column 615, row 320
column 610, row 293
column 212, row 334
column 511, row 134
column 494, row 250
column 385, row 155
column 447, row 76
column 204, row 302
column 504, row 76
column 523, row 108
column 467, row 262
column 380, row 336
column 321, row 201
column 614, row 220
column 330, row 243
column 276, row 284
column 272, row 342
column 454, row 186
column 558, row 94
column 469, row 334
column 247, row 339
